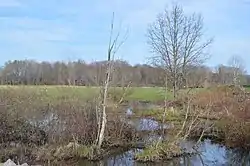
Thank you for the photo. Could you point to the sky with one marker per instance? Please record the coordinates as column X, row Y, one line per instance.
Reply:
column 79, row 29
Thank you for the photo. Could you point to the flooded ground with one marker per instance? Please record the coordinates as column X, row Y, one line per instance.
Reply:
column 145, row 124
column 209, row 153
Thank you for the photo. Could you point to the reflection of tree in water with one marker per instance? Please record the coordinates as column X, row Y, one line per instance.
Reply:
column 126, row 159
column 237, row 157
column 210, row 154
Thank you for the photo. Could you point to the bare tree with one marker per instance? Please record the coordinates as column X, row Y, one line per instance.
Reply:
column 177, row 41
column 79, row 73
column 113, row 47
column 238, row 69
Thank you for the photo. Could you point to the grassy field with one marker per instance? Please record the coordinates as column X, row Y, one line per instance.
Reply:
column 247, row 88
column 84, row 93
column 81, row 92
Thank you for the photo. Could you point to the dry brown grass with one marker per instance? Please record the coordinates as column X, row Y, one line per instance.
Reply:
column 231, row 107
column 224, row 101
column 32, row 120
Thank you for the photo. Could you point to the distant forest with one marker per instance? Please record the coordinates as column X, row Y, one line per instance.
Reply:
column 79, row 73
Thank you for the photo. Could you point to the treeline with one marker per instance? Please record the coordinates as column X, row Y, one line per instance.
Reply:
column 29, row 72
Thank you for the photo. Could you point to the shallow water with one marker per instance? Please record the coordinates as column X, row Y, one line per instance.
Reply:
column 210, row 154
column 145, row 124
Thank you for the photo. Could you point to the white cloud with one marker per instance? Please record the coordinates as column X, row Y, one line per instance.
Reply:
column 77, row 21
column 220, row 19
column 142, row 12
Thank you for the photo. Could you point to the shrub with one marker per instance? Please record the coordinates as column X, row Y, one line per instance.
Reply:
column 235, row 134
column 32, row 118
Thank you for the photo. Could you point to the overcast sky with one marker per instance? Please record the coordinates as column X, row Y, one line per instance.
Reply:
column 71, row 29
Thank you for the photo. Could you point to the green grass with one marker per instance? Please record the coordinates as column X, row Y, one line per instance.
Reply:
column 160, row 151
column 158, row 114
column 247, row 88
column 148, row 94
column 83, row 93
column 52, row 92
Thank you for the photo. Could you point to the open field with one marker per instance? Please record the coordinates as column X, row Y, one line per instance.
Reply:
column 81, row 92
column 152, row 94
column 52, row 92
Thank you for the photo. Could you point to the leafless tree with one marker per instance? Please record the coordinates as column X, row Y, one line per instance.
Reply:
column 238, row 69
column 80, row 73
column 114, row 45
column 177, row 41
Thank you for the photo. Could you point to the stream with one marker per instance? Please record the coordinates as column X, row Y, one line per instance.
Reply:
column 209, row 153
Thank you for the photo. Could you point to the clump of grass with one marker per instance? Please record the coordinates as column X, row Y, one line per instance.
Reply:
column 160, row 151
column 74, row 150
column 70, row 151
column 160, row 115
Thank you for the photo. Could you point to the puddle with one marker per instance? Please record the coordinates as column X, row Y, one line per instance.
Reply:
column 145, row 124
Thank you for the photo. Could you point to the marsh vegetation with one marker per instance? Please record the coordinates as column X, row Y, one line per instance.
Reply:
column 178, row 120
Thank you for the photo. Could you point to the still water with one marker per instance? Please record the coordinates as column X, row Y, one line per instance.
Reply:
column 210, row 154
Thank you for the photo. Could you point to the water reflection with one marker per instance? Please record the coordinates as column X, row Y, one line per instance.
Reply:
column 129, row 112
column 145, row 124
column 237, row 157
column 210, row 154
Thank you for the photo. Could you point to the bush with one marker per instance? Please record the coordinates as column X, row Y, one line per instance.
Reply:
column 18, row 131
column 32, row 119
column 235, row 134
